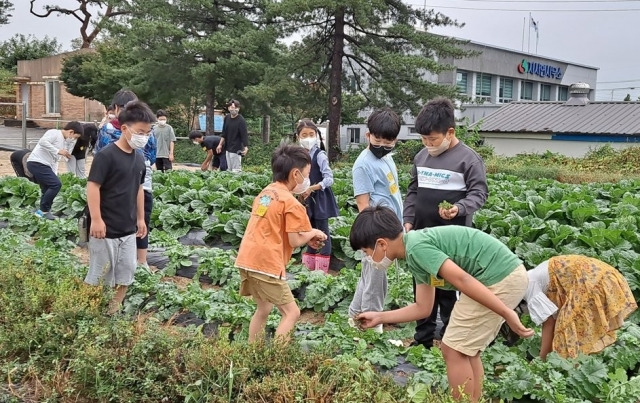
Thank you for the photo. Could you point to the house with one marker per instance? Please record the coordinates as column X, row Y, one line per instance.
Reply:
column 571, row 128
column 49, row 105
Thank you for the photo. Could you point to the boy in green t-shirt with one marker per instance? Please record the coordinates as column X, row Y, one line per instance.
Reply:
column 490, row 277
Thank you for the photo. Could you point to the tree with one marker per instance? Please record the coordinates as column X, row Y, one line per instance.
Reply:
column 377, row 46
column 92, row 22
column 627, row 98
column 6, row 7
column 212, row 50
column 21, row 47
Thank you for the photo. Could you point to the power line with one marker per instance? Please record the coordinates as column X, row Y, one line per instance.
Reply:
column 551, row 2
column 618, row 82
column 539, row 10
column 532, row 10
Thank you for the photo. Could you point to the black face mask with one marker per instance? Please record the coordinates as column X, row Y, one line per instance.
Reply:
column 380, row 151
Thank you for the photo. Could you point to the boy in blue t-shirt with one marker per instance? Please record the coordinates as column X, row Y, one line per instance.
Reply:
column 375, row 183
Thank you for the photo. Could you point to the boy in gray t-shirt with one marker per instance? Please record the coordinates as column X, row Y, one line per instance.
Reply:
column 375, row 183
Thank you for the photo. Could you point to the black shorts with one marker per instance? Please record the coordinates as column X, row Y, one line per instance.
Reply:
column 163, row 164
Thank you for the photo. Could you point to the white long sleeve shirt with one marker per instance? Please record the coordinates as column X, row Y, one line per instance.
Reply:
column 46, row 151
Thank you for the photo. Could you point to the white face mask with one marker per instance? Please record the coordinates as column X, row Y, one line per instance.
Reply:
column 196, row 143
column 233, row 112
column 437, row 150
column 384, row 264
column 111, row 116
column 138, row 141
column 69, row 141
column 309, row 142
column 162, row 122
column 302, row 187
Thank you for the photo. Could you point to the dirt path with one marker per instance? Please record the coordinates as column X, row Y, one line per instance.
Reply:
column 7, row 170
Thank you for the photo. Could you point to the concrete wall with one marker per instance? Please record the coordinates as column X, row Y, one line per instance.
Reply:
column 512, row 144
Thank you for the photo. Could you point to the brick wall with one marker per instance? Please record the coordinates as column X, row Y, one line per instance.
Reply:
column 71, row 107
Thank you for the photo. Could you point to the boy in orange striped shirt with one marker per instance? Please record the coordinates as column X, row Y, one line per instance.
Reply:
column 278, row 224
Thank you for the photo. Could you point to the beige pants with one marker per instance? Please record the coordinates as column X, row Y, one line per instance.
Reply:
column 473, row 326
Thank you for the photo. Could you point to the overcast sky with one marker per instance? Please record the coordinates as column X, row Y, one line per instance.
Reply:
column 603, row 39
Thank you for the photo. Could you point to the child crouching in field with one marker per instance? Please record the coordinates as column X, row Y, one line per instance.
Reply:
column 490, row 277
column 277, row 225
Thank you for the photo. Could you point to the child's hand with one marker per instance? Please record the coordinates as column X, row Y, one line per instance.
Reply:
column 98, row 229
column 448, row 214
column 319, row 235
column 142, row 229
column 306, row 194
column 369, row 319
column 204, row 167
column 513, row 320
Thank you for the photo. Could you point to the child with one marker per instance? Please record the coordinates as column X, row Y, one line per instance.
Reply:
column 76, row 164
column 445, row 170
column 18, row 160
column 108, row 117
column 116, row 202
column 490, row 277
column 580, row 302
column 278, row 224
column 320, row 201
column 110, row 133
column 42, row 163
column 215, row 160
column 166, row 139
column 375, row 183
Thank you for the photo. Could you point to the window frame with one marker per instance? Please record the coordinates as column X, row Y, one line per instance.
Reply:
column 479, row 85
column 542, row 88
column 523, row 84
column 501, row 98
column 351, row 131
column 53, row 106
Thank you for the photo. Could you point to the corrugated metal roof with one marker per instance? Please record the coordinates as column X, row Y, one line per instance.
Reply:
column 621, row 118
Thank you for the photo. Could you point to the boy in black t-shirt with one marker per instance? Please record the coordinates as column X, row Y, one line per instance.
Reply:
column 215, row 159
column 116, row 204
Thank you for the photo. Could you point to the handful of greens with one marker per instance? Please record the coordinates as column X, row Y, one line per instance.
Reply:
column 445, row 205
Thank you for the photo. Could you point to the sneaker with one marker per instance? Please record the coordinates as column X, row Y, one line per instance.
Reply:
column 39, row 213
column 49, row 216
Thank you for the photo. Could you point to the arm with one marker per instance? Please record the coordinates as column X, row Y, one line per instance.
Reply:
column 327, row 173
column 475, row 290
column 420, row 309
column 477, row 190
column 207, row 161
column 297, row 239
column 363, row 201
column 223, row 135
column 172, row 144
column 548, row 328
column 409, row 212
column 142, row 226
column 244, row 135
column 98, row 228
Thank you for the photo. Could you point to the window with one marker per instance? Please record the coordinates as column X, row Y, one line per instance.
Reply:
column 506, row 90
column 526, row 90
column 483, row 86
column 563, row 93
column 354, row 134
column 461, row 81
column 412, row 130
column 545, row 92
column 52, row 94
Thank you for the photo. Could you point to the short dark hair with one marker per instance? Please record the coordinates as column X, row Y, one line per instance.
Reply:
column 136, row 112
column 75, row 126
column 90, row 134
column 234, row 102
column 194, row 134
column 384, row 123
column 123, row 97
column 436, row 116
column 286, row 158
column 161, row 113
column 111, row 107
column 372, row 224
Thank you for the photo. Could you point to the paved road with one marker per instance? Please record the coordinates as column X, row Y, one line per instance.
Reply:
column 11, row 137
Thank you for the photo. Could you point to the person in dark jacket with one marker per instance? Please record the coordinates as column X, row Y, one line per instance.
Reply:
column 235, row 137
column 76, row 164
column 446, row 170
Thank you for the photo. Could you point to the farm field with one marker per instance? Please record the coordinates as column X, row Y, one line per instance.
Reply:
column 55, row 345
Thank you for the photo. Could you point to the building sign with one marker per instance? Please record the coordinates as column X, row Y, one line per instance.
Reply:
column 539, row 69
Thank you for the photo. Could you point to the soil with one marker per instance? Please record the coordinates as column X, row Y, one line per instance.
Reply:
column 82, row 254
column 7, row 170
column 315, row 318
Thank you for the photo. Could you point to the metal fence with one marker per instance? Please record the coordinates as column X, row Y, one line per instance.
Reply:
column 24, row 120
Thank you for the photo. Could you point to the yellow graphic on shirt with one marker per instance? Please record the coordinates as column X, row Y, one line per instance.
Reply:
column 437, row 282
column 393, row 186
column 263, row 205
